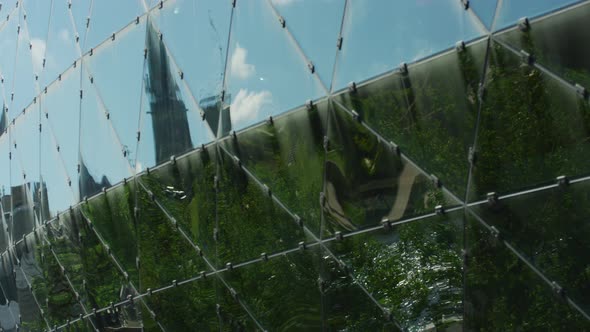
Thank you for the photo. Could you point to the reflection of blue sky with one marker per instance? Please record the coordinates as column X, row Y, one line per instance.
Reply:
column 512, row 10
column 316, row 25
column 485, row 10
column 379, row 35
column 266, row 75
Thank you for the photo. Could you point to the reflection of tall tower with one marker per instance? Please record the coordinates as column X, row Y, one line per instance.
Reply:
column 169, row 121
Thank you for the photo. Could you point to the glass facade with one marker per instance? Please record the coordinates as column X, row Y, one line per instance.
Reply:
column 274, row 165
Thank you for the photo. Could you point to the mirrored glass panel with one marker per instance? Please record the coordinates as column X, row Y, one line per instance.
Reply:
column 422, row 264
column 157, row 235
column 25, row 142
column 120, row 60
column 282, row 293
column 430, row 112
column 9, row 36
column 112, row 216
column 263, row 67
column 61, row 42
column 485, row 10
column 86, row 261
column 204, row 305
column 249, row 222
column 288, row 155
column 40, row 270
column 103, row 159
column 24, row 86
column 55, row 182
column 533, row 128
column 512, row 10
column 366, row 181
column 106, row 18
column 171, row 121
column 502, row 293
column 534, row 224
column 186, row 189
column 316, row 26
column 559, row 43
column 20, row 302
column 195, row 34
column 420, row 29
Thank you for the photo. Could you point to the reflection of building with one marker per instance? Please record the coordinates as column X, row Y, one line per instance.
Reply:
column 3, row 120
column 211, row 107
column 87, row 185
column 21, row 210
column 169, row 120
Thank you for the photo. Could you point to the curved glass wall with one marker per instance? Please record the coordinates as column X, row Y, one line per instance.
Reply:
column 294, row 165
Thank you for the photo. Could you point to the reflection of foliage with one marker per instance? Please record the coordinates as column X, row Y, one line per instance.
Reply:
column 430, row 113
column 52, row 289
column 532, row 128
column 503, row 294
column 415, row 271
column 551, row 245
column 366, row 175
column 112, row 215
column 288, row 156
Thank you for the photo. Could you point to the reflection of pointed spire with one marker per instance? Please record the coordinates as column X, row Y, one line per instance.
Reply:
column 168, row 111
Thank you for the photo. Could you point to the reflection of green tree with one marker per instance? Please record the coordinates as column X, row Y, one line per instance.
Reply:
column 52, row 289
column 415, row 271
column 532, row 128
column 288, row 156
column 366, row 174
column 112, row 215
column 505, row 295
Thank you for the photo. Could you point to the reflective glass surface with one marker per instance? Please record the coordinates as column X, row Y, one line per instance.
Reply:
column 196, row 34
column 316, row 26
column 485, row 10
column 170, row 122
column 542, row 236
column 420, row 260
column 512, row 10
column 558, row 43
column 187, row 191
column 366, row 181
column 373, row 42
column 100, row 165
column 114, row 65
column 288, row 156
column 533, row 128
column 263, row 67
column 205, row 304
column 157, row 235
column 40, row 270
column 249, row 222
column 502, row 293
column 209, row 165
column 112, row 215
column 430, row 113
